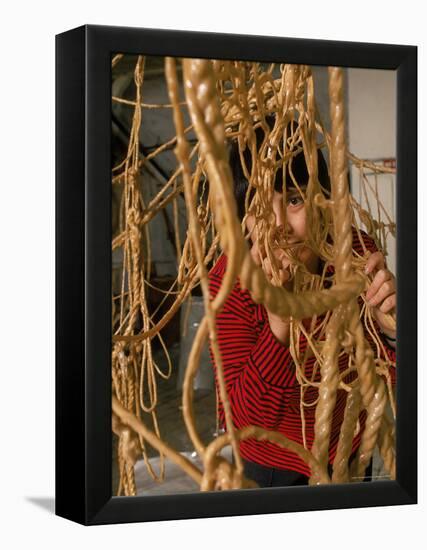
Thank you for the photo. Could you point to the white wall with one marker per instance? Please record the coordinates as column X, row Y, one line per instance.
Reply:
column 372, row 136
column 372, row 113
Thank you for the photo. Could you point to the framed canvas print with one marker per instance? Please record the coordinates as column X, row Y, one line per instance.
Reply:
column 236, row 275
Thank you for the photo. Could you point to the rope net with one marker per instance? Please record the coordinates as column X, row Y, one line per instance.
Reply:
column 227, row 102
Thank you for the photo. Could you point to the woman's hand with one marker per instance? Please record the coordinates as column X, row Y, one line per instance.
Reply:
column 283, row 277
column 279, row 327
column 381, row 293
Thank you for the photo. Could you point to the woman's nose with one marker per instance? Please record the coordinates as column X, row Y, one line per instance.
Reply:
column 280, row 216
column 282, row 221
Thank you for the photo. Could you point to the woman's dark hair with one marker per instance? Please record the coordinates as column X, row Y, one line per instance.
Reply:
column 299, row 169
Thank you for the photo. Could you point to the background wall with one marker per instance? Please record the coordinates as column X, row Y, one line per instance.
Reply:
column 27, row 275
column 372, row 136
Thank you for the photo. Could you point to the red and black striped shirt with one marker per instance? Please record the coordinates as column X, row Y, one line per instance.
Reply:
column 261, row 381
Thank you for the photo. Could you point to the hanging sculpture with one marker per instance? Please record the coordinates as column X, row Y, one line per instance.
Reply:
column 227, row 101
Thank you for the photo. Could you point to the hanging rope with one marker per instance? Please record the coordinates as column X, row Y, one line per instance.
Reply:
column 229, row 100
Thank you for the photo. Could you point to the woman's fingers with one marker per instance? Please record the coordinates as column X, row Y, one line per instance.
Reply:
column 266, row 265
column 375, row 261
column 383, row 284
column 285, row 276
column 389, row 304
column 382, row 291
column 280, row 275
column 386, row 290
column 256, row 256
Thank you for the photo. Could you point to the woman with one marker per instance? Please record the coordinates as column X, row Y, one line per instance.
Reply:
column 259, row 370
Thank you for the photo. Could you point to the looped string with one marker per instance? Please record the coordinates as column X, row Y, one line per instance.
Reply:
column 229, row 100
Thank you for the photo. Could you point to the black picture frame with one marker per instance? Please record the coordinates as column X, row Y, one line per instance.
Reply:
column 83, row 274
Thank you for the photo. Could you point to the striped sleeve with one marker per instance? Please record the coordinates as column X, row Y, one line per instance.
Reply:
column 257, row 367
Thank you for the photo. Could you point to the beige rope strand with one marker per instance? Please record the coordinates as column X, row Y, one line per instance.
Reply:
column 340, row 472
column 343, row 247
column 228, row 100
column 135, row 423
column 194, row 73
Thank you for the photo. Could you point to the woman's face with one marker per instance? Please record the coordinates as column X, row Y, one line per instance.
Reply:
column 293, row 225
column 291, row 229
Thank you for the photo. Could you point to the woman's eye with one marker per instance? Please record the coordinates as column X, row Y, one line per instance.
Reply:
column 295, row 201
